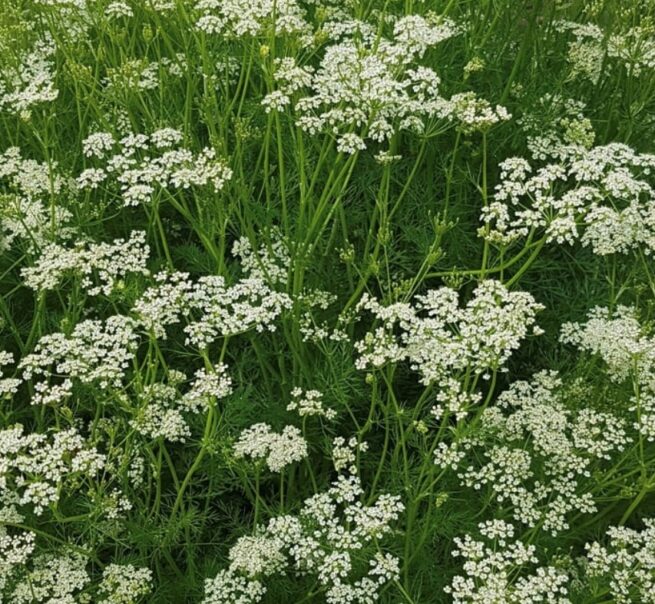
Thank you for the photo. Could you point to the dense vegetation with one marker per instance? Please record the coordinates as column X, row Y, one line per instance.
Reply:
column 335, row 301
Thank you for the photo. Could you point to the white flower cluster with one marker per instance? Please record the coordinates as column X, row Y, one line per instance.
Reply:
column 8, row 385
column 239, row 18
column 591, row 49
column 625, row 565
column 617, row 337
column 23, row 213
column 453, row 398
column 143, row 164
column 77, row 4
column 475, row 114
column 63, row 579
column 115, row 505
column 34, row 466
column 367, row 88
column 492, row 571
column 586, row 51
column 160, row 414
column 124, row 584
column 27, row 177
column 345, row 453
column 94, row 352
column 557, row 129
column 117, row 10
column 224, row 310
column 229, row 588
column 207, row 386
column 15, row 551
column 339, row 21
column 290, row 78
column 533, row 453
column 279, row 450
column 310, row 403
column 332, row 535
column 439, row 338
column 31, row 82
column 51, row 579
column 628, row 350
column 270, row 263
column 101, row 265
column 603, row 192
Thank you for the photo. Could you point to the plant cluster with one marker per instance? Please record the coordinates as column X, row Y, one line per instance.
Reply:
column 327, row 301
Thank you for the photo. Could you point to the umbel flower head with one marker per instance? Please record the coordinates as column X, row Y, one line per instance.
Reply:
column 213, row 308
column 26, row 213
column 240, row 18
column 602, row 197
column 499, row 568
column 142, row 164
column 628, row 351
column 534, row 455
column 31, row 83
column 95, row 351
column 366, row 87
column 440, row 338
column 623, row 563
column 277, row 449
column 592, row 53
column 35, row 466
column 101, row 265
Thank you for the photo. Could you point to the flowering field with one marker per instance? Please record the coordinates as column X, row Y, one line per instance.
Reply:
column 327, row 301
